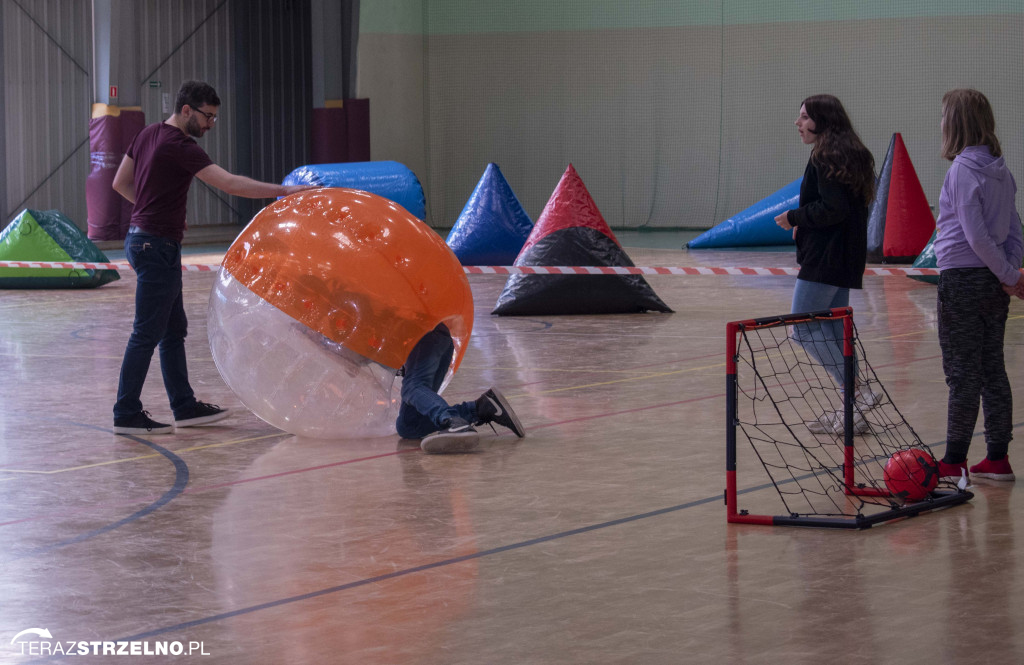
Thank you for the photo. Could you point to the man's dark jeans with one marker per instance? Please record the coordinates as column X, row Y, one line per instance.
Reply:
column 159, row 319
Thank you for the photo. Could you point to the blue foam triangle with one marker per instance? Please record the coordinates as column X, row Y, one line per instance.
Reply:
column 754, row 226
column 493, row 226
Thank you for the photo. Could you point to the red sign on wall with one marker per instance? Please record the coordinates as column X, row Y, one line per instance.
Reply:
column 113, row 91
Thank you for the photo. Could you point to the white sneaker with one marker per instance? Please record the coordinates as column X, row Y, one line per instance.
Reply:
column 832, row 423
column 866, row 399
column 458, row 437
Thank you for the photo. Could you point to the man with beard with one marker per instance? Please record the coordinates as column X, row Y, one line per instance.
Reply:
column 155, row 175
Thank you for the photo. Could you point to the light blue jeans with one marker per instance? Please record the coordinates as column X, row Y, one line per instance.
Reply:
column 822, row 340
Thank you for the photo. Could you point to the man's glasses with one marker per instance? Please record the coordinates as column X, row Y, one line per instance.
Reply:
column 212, row 117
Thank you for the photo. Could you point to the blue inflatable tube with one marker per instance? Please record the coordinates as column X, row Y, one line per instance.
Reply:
column 754, row 226
column 391, row 180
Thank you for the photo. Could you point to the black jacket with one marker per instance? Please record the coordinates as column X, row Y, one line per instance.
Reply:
column 832, row 232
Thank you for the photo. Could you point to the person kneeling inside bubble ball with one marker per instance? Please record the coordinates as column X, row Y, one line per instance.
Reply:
column 425, row 415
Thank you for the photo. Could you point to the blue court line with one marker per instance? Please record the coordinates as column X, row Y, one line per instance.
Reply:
column 445, row 562
column 460, row 559
column 428, row 566
column 181, row 476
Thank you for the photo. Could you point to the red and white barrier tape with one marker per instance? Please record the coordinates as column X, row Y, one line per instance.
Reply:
column 524, row 270
column 78, row 265
column 671, row 270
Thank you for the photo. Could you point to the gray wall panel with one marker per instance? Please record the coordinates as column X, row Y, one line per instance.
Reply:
column 46, row 66
column 393, row 79
column 275, row 86
column 191, row 39
column 281, row 86
column 48, row 89
column 890, row 74
column 672, row 126
column 265, row 100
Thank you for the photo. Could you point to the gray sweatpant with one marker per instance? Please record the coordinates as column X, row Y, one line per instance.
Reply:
column 972, row 310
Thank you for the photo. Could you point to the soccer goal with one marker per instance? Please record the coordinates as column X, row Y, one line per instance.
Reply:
column 800, row 391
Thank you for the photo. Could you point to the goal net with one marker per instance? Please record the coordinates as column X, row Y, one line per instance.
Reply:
column 801, row 392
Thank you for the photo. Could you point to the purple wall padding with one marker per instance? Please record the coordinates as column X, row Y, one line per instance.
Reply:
column 341, row 134
column 109, row 136
column 330, row 143
column 358, row 129
column 102, row 202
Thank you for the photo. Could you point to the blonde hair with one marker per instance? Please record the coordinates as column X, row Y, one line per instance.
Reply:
column 967, row 119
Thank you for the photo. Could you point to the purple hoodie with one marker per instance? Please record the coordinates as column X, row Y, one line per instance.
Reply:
column 978, row 225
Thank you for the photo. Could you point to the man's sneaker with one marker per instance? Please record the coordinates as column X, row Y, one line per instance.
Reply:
column 141, row 423
column 833, row 423
column 492, row 407
column 993, row 469
column 953, row 473
column 201, row 414
column 458, row 437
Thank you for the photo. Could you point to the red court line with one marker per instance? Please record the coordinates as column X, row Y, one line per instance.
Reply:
column 191, row 490
column 619, row 413
column 204, row 488
column 242, row 481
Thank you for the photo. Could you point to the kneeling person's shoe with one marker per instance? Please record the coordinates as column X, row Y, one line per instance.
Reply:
column 458, row 437
column 201, row 414
column 141, row 423
column 492, row 407
column 993, row 469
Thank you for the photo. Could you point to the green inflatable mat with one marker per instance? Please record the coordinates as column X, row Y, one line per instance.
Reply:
column 47, row 235
column 926, row 259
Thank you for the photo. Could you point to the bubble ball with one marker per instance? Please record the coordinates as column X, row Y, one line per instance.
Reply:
column 318, row 303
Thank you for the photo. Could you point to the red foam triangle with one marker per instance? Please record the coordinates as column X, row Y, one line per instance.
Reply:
column 570, row 205
column 909, row 222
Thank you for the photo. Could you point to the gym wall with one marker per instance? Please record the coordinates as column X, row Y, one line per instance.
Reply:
column 676, row 114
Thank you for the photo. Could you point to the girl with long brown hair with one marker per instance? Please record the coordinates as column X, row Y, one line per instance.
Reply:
column 830, row 230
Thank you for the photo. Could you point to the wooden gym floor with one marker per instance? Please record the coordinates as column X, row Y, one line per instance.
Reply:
column 599, row 538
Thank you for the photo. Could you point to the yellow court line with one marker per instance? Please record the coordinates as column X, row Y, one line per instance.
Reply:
column 635, row 378
column 231, row 443
column 63, row 357
column 573, row 370
column 929, row 330
column 608, row 383
column 141, row 457
column 909, row 334
column 106, row 297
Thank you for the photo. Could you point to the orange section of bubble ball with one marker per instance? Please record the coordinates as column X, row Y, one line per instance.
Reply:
column 357, row 268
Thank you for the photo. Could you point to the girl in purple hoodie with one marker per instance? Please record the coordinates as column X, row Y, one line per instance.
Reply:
column 978, row 247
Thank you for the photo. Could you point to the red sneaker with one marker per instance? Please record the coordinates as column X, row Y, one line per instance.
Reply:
column 996, row 470
column 953, row 472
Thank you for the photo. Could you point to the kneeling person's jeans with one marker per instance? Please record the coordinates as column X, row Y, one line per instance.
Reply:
column 423, row 411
